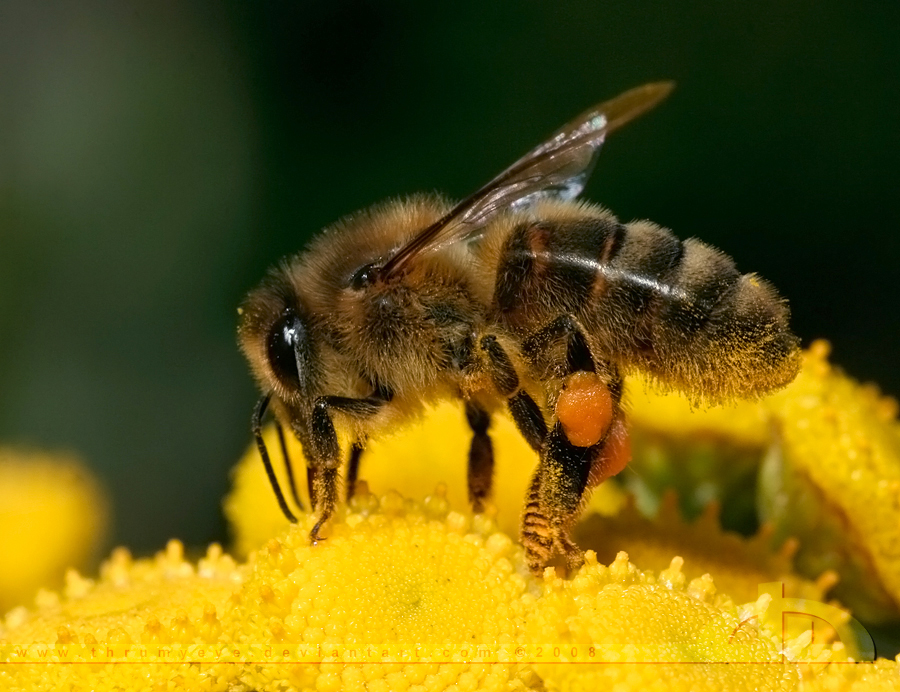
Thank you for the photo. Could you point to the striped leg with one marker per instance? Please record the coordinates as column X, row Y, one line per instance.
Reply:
column 574, row 454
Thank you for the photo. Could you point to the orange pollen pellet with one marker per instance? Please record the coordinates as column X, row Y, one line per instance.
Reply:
column 584, row 408
column 615, row 455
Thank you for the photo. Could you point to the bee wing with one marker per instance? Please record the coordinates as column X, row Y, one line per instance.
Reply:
column 557, row 168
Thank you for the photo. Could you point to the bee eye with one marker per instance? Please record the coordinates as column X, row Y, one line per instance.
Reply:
column 286, row 345
column 364, row 276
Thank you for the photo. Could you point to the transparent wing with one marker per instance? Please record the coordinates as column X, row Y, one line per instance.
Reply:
column 558, row 168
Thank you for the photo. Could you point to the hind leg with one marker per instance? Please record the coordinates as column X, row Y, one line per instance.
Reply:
column 560, row 489
column 585, row 445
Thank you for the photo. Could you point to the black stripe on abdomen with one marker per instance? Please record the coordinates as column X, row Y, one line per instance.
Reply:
column 632, row 285
column 705, row 280
column 551, row 268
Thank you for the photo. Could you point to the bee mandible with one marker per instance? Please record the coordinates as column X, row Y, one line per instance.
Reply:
column 519, row 297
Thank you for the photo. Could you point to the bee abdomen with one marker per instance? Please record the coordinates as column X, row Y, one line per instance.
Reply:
column 679, row 310
column 692, row 320
column 547, row 268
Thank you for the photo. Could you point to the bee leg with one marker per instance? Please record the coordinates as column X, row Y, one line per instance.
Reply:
column 535, row 534
column 500, row 368
column 555, row 496
column 311, row 486
column 528, row 418
column 554, row 501
column 325, row 458
column 326, row 481
column 481, row 457
column 256, row 427
column 353, row 469
column 540, row 345
column 567, row 471
column 525, row 412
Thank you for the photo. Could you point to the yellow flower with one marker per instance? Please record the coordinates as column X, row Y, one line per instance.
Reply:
column 740, row 565
column 819, row 460
column 657, row 631
column 833, row 481
column 53, row 516
column 414, row 593
column 404, row 595
column 400, row 596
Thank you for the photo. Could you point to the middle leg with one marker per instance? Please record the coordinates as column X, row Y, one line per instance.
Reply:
column 481, row 457
column 525, row 412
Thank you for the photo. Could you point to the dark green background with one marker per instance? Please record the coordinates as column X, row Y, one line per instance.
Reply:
column 156, row 157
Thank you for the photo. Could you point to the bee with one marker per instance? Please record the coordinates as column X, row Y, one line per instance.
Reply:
column 519, row 297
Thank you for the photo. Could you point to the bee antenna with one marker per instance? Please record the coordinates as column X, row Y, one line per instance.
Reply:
column 287, row 464
column 256, row 423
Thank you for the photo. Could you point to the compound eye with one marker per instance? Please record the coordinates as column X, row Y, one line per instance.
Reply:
column 286, row 340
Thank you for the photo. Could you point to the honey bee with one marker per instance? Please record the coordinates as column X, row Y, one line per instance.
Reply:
column 519, row 297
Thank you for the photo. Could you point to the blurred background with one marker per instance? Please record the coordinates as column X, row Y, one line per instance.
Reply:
column 157, row 157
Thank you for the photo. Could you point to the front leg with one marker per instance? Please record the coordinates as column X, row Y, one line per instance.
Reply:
column 289, row 467
column 325, row 458
column 256, row 427
column 353, row 469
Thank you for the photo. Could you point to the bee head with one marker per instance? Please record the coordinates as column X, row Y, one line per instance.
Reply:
column 277, row 338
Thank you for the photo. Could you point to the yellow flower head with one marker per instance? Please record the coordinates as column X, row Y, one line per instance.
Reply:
column 420, row 595
column 400, row 596
column 53, row 516
column 819, row 460
column 740, row 564
column 832, row 480
column 402, row 593
column 138, row 623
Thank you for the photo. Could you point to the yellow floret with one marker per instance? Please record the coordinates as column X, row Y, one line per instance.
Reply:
column 140, row 622
column 401, row 596
column 53, row 516
column 881, row 676
column 612, row 620
column 833, row 481
column 739, row 564
column 406, row 595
